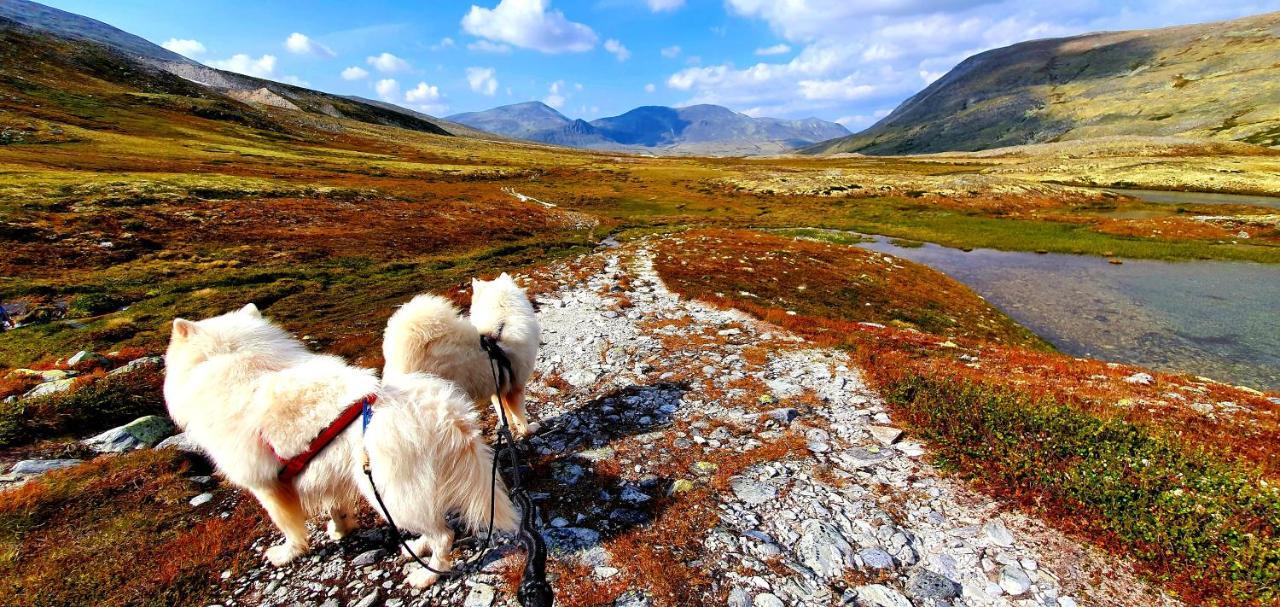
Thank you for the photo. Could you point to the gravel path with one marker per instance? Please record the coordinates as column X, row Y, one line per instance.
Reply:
column 656, row 409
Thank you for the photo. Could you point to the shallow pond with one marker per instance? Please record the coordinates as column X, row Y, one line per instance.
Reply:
column 1163, row 197
column 1210, row 318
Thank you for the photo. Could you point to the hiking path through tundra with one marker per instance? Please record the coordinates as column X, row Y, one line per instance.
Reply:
column 692, row 455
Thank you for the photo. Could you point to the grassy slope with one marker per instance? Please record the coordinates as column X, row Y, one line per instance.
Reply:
column 1147, row 82
column 1132, row 467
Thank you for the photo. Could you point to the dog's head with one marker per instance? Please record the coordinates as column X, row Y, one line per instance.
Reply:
column 242, row 331
column 498, row 305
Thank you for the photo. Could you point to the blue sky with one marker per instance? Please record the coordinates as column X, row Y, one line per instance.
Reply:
column 845, row 60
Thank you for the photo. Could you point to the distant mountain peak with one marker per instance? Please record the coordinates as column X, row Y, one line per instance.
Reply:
column 694, row 129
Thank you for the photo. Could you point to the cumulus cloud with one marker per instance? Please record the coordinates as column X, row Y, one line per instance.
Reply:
column 482, row 80
column 777, row 49
column 649, row 88
column 355, row 73
column 423, row 93
column 529, row 24
column 185, row 47
column 555, row 96
column 617, row 49
column 300, row 44
column 444, row 43
column 388, row 63
column 262, row 67
column 659, row 6
column 388, row 89
column 671, row 52
column 852, row 59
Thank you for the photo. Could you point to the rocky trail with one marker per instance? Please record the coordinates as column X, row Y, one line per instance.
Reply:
column 690, row 455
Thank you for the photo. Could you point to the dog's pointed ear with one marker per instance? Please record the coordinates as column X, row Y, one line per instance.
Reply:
column 475, row 285
column 183, row 328
column 251, row 310
column 505, row 276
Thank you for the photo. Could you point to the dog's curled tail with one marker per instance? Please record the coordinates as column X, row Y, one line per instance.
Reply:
column 413, row 329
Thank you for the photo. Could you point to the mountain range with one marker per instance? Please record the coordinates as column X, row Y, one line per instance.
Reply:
column 695, row 129
column 1217, row 81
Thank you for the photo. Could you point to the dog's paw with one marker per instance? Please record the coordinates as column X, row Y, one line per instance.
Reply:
column 421, row 578
column 283, row 554
column 337, row 531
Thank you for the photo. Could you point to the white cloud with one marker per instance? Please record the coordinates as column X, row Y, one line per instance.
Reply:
column 555, row 97
column 444, row 43
column 617, row 49
column 529, row 24
column 300, row 44
column 777, row 49
column 658, row 6
column 484, row 46
column 388, row 63
column 649, row 88
column 388, row 89
column 262, row 67
column 185, row 47
column 355, row 73
column 671, row 52
column 482, row 80
column 422, row 94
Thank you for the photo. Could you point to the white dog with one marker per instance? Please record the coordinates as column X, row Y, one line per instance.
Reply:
column 429, row 335
column 249, row 394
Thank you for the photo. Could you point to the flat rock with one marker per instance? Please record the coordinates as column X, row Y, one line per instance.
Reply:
column 1014, row 580
column 146, row 362
column 369, row 600
column 997, row 533
column 368, row 557
column 880, row 595
column 876, row 558
column 481, row 595
column 885, row 434
column 766, row 599
column 50, row 388
column 142, row 432
column 180, row 442
column 201, row 499
column 32, row 467
column 752, row 491
column 569, row 541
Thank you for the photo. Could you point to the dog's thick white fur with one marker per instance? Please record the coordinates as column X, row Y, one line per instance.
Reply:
column 429, row 335
column 241, row 386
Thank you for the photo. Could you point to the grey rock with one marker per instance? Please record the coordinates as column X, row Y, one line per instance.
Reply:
column 765, row 599
column 1140, row 379
column 481, row 595
column 201, row 499
column 823, row 549
column 368, row 557
column 875, row 558
column 784, row 415
column 568, row 541
column 32, row 467
column 146, row 362
column 141, row 432
column 85, row 356
column 50, row 388
column 369, row 600
column 751, row 491
column 926, row 585
column 879, row 595
column 739, row 597
column 997, row 533
column 1014, row 580
column 632, row 598
column 180, row 442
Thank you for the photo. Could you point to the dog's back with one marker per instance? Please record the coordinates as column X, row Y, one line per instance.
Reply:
column 429, row 335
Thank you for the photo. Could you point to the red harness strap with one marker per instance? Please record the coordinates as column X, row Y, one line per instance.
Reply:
column 292, row 467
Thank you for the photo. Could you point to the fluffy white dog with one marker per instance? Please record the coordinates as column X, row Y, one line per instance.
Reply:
column 429, row 335
column 249, row 393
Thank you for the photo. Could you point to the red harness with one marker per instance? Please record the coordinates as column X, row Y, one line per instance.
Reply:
column 292, row 467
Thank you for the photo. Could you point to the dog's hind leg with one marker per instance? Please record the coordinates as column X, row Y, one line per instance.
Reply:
column 286, row 511
column 341, row 521
column 439, row 539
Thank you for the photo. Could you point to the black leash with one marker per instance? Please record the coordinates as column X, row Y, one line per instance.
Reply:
column 534, row 590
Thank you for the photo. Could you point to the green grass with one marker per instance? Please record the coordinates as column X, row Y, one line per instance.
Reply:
column 931, row 224
column 1207, row 527
column 102, row 404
